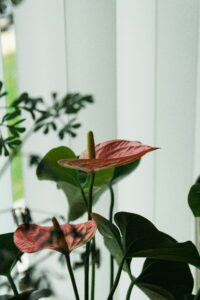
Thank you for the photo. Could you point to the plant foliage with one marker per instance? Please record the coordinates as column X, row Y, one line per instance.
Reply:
column 59, row 117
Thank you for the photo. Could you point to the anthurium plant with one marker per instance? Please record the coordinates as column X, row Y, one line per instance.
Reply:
column 127, row 236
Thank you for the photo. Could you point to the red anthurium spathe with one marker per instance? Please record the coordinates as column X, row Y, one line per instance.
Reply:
column 36, row 238
column 109, row 154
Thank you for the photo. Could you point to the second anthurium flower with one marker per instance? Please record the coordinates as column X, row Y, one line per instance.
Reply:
column 109, row 154
column 35, row 237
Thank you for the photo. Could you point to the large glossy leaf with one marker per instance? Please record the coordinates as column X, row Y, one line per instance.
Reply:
column 103, row 177
column 163, row 280
column 70, row 180
column 75, row 199
column 123, row 171
column 194, row 199
column 142, row 239
column 112, row 239
column 49, row 169
column 29, row 295
column 76, row 204
column 9, row 254
column 73, row 194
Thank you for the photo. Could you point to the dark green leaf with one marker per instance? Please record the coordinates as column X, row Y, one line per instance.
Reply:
column 53, row 125
column 38, row 127
column 10, row 116
column 103, row 177
column 76, row 204
column 66, row 179
column 112, row 239
column 74, row 196
column 61, row 134
column 122, row 171
column 9, row 254
column 69, row 180
column 46, row 130
column 49, row 169
column 73, row 103
column 20, row 129
column 78, row 125
column 16, row 2
column 34, row 160
column 14, row 143
column 44, row 116
column 75, row 200
column 18, row 122
column 6, row 152
column 165, row 280
column 194, row 199
column 142, row 239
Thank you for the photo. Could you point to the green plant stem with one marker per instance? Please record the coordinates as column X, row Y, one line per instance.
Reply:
column 112, row 201
column 90, row 196
column 71, row 273
column 84, row 197
column 12, row 284
column 128, row 295
column 110, row 297
column 87, row 256
column 86, row 269
column 93, row 270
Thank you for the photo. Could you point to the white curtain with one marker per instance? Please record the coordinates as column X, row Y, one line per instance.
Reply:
column 157, row 101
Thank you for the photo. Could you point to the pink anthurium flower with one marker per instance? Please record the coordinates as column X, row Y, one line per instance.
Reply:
column 109, row 154
column 36, row 238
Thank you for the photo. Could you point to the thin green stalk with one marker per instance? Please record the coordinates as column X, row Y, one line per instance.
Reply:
column 86, row 269
column 128, row 295
column 110, row 297
column 87, row 257
column 71, row 273
column 64, row 247
column 84, row 197
column 93, row 269
column 12, row 284
column 111, row 271
column 90, row 196
column 112, row 201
